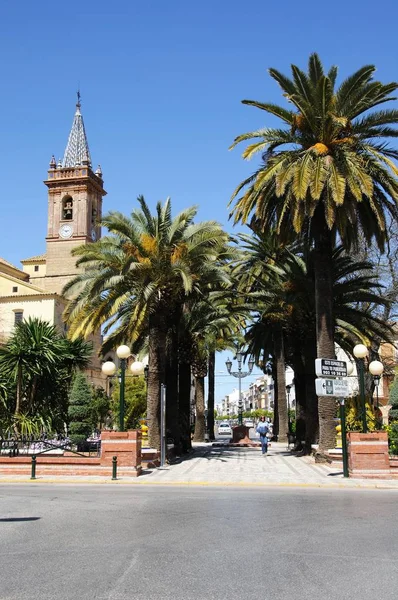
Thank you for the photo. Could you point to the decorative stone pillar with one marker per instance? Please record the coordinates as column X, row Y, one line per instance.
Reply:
column 240, row 435
column 126, row 445
column 385, row 412
column 368, row 455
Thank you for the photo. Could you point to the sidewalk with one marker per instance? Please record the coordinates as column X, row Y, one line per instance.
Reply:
column 234, row 466
column 211, row 465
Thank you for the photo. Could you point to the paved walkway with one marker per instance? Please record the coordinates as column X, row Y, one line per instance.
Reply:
column 213, row 465
column 231, row 466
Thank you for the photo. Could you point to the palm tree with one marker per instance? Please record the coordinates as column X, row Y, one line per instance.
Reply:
column 287, row 278
column 138, row 276
column 262, row 281
column 208, row 325
column 327, row 172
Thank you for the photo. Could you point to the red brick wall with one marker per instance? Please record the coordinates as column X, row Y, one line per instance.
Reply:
column 368, row 455
column 126, row 445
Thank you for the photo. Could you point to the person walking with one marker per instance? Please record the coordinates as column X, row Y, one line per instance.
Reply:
column 262, row 429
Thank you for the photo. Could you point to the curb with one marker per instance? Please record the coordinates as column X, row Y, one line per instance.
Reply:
column 240, row 484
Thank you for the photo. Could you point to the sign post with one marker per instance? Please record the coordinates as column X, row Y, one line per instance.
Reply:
column 162, row 425
column 332, row 382
column 343, row 437
column 327, row 367
column 332, row 387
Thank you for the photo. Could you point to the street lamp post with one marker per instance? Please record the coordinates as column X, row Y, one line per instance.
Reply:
column 288, row 388
column 109, row 369
column 376, row 369
column 360, row 352
column 239, row 374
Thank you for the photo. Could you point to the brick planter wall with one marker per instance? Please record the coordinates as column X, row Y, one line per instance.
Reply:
column 125, row 445
column 368, row 455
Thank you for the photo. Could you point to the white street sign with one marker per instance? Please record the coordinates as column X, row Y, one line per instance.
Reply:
column 328, row 367
column 338, row 388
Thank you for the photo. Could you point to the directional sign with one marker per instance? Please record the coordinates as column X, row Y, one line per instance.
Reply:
column 338, row 388
column 326, row 367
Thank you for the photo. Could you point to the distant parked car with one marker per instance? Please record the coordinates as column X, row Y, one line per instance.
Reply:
column 224, row 429
column 249, row 423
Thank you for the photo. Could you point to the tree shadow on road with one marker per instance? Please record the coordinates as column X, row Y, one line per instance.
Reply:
column 18, row 519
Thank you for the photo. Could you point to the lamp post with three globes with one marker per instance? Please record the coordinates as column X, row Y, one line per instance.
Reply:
column 240, row 375
column 376, row 369
column 109, row 369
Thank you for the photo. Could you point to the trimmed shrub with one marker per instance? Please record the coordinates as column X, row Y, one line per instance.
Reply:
column 79, row 410
column 393, row 399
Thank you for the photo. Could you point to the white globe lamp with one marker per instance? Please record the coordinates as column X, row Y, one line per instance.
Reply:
column 360, row 351
column 123, row 352
column 108, row 368
column 376, row 368
column 137, row 368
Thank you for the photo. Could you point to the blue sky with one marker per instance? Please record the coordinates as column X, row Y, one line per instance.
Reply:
column 161, row 85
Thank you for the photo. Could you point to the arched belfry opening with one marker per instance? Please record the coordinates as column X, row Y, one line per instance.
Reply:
column 67, row 208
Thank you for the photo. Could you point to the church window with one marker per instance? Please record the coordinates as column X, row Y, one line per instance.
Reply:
column 67, row 209
column 18, row 316
column 14, row 289
column 36, row 268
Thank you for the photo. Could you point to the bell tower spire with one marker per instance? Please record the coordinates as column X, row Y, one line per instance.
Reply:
column 74, row 205
column 77, row 151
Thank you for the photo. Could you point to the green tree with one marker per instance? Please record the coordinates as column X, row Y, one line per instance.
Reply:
column 99, row 407
column 136, row 279
column 79, row 410
column 38, row 364
column 393, row 398
column 208, row 325
column 326, row 172
column 135, row 402
column 279, row 284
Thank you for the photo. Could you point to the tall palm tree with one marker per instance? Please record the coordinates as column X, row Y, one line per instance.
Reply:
column 138, row 276
column 262, row 281
column 208, row 325
column 326, row 172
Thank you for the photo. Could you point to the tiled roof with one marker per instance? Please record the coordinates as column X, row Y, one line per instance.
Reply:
column 4, row 261
column 37, row 258
column 77, row 151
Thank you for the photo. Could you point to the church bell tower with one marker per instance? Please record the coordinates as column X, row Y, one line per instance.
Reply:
column 75, row 194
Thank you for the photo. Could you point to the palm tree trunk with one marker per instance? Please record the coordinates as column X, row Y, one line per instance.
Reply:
column 156, row 376
column 300, row 394
column 281, row 379
column 172, row 419
column 276, row 404
column 184, row 402
column 312, row 418
column 323, row 250
column 211, row 394
column 199, row 435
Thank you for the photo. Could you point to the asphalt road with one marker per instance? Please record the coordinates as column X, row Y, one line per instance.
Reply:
column 63, row 542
